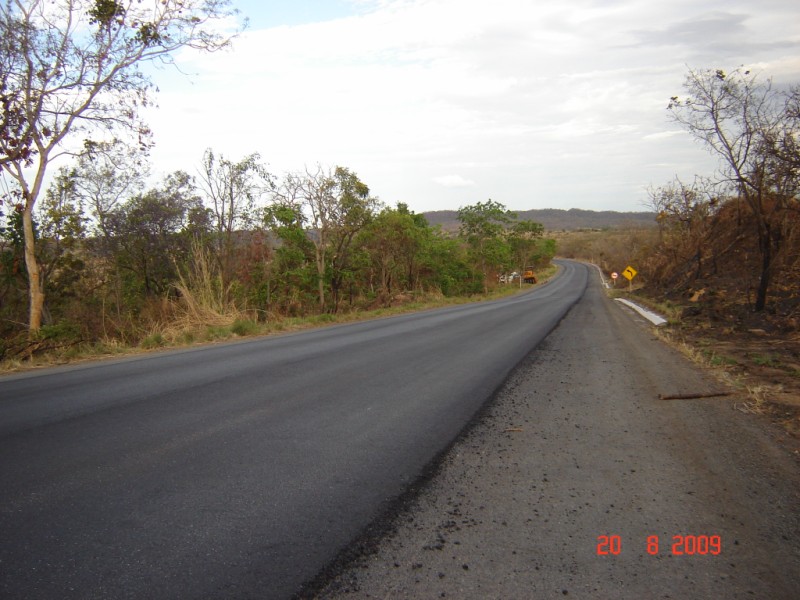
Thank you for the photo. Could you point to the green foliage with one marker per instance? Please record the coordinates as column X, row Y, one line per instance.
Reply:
column 292, row 275
column 12, row 267
column 105, row 12
column 152, row 341
column 331, row 208
column 718, row 360
column 231, row 190
column 148, row 35
column 352, row 210
column 499, row 244
column 187, row 337
column 59, row 332
column 57, row 81
column 447, row 267
column 392, row 243
column 323, row 318
column 62, row 231
column 243, row 327
column 154, row 259
column 483, row 221
column 544, row 252
column 766, row 360
column 215, row 332
column 148, row 234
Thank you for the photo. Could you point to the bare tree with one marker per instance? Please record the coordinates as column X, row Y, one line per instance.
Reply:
column 314, row 193
column 107, row 173
column 685, row 213
column 231, row 190
column 750, row 127
column 74, row 69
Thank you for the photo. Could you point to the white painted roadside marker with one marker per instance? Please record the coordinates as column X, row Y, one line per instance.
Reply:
column 654, row 318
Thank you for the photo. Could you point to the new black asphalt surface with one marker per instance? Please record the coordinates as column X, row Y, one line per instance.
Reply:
column 240, row 470
column 580, row 480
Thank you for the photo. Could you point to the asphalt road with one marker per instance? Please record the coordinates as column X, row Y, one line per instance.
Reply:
column 579, row 481
column 240, row 470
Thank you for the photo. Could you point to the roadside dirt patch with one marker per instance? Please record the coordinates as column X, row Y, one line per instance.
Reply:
column 760, row 354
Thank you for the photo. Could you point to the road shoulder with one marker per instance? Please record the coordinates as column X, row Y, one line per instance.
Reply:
column 577, row 445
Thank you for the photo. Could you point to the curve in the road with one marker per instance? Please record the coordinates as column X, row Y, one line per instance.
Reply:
column 240, row 470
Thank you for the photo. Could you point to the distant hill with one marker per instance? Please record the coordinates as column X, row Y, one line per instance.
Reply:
column 556, row 219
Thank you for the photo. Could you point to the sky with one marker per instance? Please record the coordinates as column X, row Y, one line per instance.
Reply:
column 445, row 103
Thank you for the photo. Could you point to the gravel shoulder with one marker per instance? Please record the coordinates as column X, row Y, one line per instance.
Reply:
column 578, row 445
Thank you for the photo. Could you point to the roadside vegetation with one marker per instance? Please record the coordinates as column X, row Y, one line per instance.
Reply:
column 94, row 254
column 723, row 259
column 181, row 334
column 96, row 257
column 239, row 253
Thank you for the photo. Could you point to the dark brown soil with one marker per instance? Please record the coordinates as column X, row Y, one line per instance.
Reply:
column 760, row 351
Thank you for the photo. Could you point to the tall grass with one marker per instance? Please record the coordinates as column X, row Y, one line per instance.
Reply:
column 206, row 312
column 204, row 299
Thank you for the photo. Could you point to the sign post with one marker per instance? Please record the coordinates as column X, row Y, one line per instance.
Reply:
column 614, row 276
column 629, row 273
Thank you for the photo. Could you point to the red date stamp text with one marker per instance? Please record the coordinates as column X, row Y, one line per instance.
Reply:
column 680, row 545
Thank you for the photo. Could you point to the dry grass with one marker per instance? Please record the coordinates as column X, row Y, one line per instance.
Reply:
column 206, row 314
column 760, row 397
column 204, row 297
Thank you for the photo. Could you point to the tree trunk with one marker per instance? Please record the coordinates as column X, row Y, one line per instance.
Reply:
column 321, row 279
column 36, row 293
column 765, row 242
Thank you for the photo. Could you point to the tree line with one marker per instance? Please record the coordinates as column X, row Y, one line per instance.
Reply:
column 116, row 257
column 91, row 250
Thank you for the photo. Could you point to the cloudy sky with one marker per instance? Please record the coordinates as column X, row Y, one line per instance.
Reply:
column 442, row 103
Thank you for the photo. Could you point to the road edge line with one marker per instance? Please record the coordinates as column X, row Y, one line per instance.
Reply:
column 654, row 318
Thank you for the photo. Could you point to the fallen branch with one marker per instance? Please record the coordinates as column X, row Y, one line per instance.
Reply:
column 692, row 396
column 31, row 348
column 512, row 429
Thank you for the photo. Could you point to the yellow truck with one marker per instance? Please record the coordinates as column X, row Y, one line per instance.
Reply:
column 529, row 276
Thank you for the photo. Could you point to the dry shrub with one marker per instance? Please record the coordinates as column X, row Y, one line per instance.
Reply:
column 203, row 298
column 720, row 253
column 759, row 395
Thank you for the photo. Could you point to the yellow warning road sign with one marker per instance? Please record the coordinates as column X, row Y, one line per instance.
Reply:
column 629, row 273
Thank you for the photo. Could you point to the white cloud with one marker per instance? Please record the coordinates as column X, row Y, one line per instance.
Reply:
column 454, row 181
column 661, row 135
column 542, row 103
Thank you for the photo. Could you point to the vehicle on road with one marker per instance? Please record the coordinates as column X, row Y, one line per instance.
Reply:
column 529, row 276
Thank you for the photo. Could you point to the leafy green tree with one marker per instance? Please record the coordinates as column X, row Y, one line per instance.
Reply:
column 483, row 227
column 72, row 67
column 292, row 276
column 148, row 232
column 545, row 252
column 447, row 267
column 353, row 211
column 334, row 205
column 393, row 241
column 61, row 235
column 523, row 238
